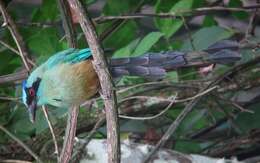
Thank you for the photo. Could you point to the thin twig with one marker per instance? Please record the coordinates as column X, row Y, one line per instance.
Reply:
column 251, row 24
column 34, row 155
column 189, row 33
column 15, row 51
column 13, row 77
column 67, row 23
column 14, row 161
column 117, row 24
column 108, row 92
column 155, row 116
column 69, row 135
column 9, row 47
column 233, row 103
column 10, row 98
column 8, row 21
column 167, row 99
column 230, row 116
column 73, row 112
column 45, row 111
column 174, row 15
column 39, row 24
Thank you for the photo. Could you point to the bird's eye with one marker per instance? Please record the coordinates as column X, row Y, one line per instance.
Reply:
column 31, row 92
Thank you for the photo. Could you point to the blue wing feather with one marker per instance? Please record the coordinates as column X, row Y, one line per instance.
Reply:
column 71, row 56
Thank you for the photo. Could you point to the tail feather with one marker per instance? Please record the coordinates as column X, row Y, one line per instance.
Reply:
column 150, row 59
column 146, row 72
column 223, row 44
column 155, row 65
column 224, row 56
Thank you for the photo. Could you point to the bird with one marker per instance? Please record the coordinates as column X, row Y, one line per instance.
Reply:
column 68, row 77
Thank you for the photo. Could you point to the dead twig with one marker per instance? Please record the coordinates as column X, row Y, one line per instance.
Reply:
column 73, row 113
column 69, row 135
column 45, row 111
column 8, row 21
column 34, row 155
column 67, row 23
column 155, row 116
column 178, row 14
column 13, row 77
column 14, row 161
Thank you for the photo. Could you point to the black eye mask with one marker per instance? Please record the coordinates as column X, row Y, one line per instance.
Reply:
column 31, row 92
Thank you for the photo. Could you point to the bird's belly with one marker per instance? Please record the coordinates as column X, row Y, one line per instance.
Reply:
column 75, row 84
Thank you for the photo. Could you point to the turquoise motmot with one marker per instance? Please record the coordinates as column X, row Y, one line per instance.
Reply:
column 68, row 77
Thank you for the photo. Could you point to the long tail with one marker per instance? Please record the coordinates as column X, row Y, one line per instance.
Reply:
column 155, row 65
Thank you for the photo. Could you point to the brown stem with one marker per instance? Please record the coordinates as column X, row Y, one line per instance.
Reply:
column 69, row 135
column 108, row 93
column 13, row 77
column 67, row 23
column 45, row 111
column 73, row 112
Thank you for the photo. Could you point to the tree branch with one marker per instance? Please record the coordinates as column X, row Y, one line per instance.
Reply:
column 108, row 93
column 179, row 14
column 67, row 23
column 8, row 21
column 69, row 135
column 13, row 77
column 73, row 112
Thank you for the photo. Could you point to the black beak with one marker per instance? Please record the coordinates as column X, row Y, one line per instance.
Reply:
column 32, row 110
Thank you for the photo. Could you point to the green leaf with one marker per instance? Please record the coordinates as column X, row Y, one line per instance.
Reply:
column 146, row 43
column 54, row 113
column 187, row 146
column 121, row 37
column 45, row 42
column 171, row 26
column 249, row 121
column 209, row 21
column 116, row 7
column 207, row 36
column 173, row 76
column 241, row 14
column 20, row 124
column 127, row 50
column 89, row 2
column 47, row 12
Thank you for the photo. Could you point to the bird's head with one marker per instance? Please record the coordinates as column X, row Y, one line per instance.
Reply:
column 30, row 98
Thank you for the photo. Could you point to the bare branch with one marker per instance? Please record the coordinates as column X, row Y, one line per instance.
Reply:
column 8, row 21
column 21, row 143
column 69, row 135
column 67, row 23
column 178, row 14
column 13, row 77
column 108, row 93
column 45, row 111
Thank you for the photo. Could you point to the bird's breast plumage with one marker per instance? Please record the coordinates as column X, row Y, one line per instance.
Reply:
column 69, row 84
